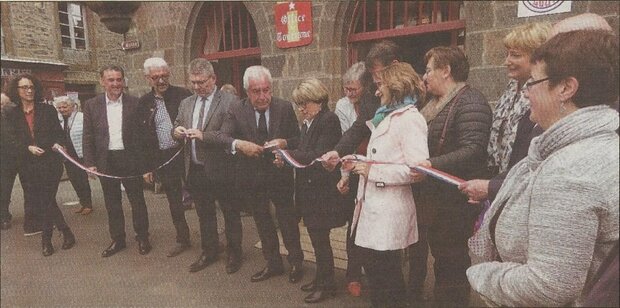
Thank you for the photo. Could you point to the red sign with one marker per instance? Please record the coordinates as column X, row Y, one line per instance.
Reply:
column 293, row 24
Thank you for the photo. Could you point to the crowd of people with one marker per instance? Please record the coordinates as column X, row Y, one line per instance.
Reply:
column 540, row 169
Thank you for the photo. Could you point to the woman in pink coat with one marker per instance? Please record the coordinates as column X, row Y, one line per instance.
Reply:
column 384, row 222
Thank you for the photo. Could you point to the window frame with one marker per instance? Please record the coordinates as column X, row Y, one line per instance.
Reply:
column 72, row 26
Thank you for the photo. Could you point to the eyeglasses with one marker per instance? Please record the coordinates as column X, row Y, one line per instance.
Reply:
column 163, row 77
column 26, row 88
column 531, row 82
column 257, row 92
column 351, row 90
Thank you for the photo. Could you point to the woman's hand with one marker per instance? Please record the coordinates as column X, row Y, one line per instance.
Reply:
column 416, row 176
column 35, row 150
column 476, row 190
column 279, row 162
column 361, row 168
column 343, row 185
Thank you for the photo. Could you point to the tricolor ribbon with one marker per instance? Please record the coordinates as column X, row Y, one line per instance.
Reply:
column 68, row 157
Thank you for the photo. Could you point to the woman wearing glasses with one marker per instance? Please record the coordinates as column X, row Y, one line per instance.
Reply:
column 38, row 132
column 512, row 129
column 555, row 218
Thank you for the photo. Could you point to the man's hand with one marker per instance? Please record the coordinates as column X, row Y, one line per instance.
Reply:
column 179, row 132
column 194, row 133
column 276, row 144
column 90, row 175
column 148, row 177
column 476, row 190
column 57, row 147
column 249, row 148
column 35, row 150
column 343, row 185
column 330, row 160
column 279, row 162
column 419, row 176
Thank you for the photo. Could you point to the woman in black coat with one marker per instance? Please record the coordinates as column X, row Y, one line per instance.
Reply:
column 316, row 194
column 37, row 133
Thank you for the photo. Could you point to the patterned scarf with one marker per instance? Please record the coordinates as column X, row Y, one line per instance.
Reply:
column 510, row 109
column 384, row 111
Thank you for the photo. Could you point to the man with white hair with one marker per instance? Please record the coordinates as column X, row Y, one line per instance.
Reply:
column 72, row 122
column 154, row 117
column 252, row 128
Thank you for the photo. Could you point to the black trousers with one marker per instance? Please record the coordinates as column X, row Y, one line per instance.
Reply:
column 205, row 192
column 354, row 259
column 288, row 221
column 171, row 177
column 79, row 181
column 447, row 239
column 8, row 174
column 40, row 183
column 385, row 276
column 120, row 164
column 324, row 257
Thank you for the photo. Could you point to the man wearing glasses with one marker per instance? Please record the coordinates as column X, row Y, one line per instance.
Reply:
column 153, row 134
column 208, row 166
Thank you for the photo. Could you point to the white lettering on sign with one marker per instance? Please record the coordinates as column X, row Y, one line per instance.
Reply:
column 281, row 37
column 7, row 72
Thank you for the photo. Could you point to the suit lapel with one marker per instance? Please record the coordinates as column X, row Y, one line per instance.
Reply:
column 250, row 118
column 274, row 120
column 211, row 111
column 103, row 112
column 189, row 116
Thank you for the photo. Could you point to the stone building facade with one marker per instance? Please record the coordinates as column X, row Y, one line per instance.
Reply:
column 176, row 31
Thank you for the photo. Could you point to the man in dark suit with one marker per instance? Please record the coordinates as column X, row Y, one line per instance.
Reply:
column 155, row 115
column 208, row 166
column 251, row 126
column 108, row 148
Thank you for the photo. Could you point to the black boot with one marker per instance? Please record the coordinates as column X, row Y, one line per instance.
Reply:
column 321, row 292
column 68, row 238
column 46, row 242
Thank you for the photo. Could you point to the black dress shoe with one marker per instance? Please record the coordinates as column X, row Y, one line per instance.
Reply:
column 178, row 249
column 309, row 287
column 68, row 239
column 115, row 247
column 296, row 273
column 203, row 261
column 319, row 295
column 48, row 249
column 144, row 246
column 266, row 273
column 233, row 263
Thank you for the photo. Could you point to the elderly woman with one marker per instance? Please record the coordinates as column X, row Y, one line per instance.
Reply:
column 512, row 129
column 385, row 216
column 556, row 217
column 347, row 110
column 72, row 122
column 315, row 188
column 37, row 133
column 459, row 121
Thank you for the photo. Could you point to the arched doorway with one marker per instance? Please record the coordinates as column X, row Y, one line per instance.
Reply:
column 416, row 26
column 230, row 41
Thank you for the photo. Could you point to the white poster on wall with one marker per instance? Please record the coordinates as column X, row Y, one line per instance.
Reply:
column 536, row 8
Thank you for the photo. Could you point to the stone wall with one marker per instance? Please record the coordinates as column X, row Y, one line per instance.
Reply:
column 34, row 34
column 489, row 21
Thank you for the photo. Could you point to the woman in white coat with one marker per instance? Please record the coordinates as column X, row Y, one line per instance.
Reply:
column 384, row 222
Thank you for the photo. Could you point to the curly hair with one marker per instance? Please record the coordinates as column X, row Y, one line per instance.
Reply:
column 13, row 91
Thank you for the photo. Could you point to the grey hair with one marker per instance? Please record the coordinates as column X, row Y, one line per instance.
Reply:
column 65, row 99
column 255, row 72
column 354, row 73
column 200, row 66
column 154, row 62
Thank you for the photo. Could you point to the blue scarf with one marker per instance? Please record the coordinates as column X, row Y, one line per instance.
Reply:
column 384, row 111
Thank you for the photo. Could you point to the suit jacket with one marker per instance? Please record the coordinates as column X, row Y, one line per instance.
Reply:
column 210, row 151
column 96, row 136
column 356, row 134
column 145, row 133
column 240, row 123
column 47, row 132
column 322, row 210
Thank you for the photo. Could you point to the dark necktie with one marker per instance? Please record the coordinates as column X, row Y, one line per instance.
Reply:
column 262, row 128
column 304, row 129
column 66, row 124
column 201, row 114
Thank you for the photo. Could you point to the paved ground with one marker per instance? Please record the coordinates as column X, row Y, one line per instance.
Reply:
column 81, row 277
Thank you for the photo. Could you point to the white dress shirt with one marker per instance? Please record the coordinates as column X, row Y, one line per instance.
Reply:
column 114, row 110
column 196, row 118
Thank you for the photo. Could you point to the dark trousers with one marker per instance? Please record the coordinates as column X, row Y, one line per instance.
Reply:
column 171, row 177
column 120, row 164
column 7, row 179
column 40, row 185
column 324, row 257
column 447, row 238
column 205, row 192
column 79, row 181
column 288, row 221
column 354, row 260
column 385, row 276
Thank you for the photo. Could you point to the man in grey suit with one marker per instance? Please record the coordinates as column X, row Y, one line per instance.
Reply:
column 208, row 167
column 108, row 148
column 252, row 127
